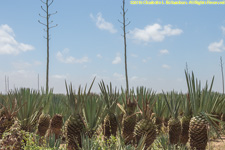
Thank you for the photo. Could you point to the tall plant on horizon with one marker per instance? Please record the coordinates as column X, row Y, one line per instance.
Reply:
column 47, row 16
column 124, row 25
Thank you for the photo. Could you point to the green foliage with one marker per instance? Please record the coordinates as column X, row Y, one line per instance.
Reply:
column 145, row 100
column 29, row 103
column 109, row 95
column 203, row 101
column 52, row 142
column 186, row 105
column 113, row 143
column 160, row 106
column 173, row 101
column 47, row 100
column 161, row 143
column 199, row 98
column 58, row 105
column 93, row 112
column 2, row 97
column 32, row 141
column 75, row 101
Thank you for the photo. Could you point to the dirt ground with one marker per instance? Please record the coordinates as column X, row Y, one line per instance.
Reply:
column 217, row 144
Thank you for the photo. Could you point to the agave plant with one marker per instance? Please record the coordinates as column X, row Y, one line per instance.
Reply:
column 8, row 117
column 58, row 106
column 55, row 127
column 145, row 125
column 166, row 117
column 200, row 99
column 223, row 115
column 44, row 116
column 75, row 126
column 29, row 114
column 185, row 120
column 174, row 126
column 56, row 109
column 110, row 97
column 93, row 112
column 128, row 107
column 43, row 124
column 159, row 110
column 215, row 107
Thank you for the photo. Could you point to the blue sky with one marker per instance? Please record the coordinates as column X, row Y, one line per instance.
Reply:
column 88, row 43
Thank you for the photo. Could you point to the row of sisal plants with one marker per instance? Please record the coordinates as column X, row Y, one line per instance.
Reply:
column 81, row 119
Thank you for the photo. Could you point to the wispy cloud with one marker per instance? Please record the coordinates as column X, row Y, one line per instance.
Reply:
column 59, row 76
column 117, row 59
column 164, row 52
column 64, row 58
column 154, row 32
column 99, row 56
column 21, row 65
column 223, row 29
column 102, row 24
column 133, row 78
column 118, row 76
column 8, row 44
column 165, row 66
column 37, row 63
column 145, row 60
column 216, row 46
column 134, row 55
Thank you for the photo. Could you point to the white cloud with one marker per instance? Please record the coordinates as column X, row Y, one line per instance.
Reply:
column 145, row 60
column 154, row 32
column 134, row 55
column 117, row 59
column 223, row 29
column 164, row 52
column 8, row 44
column 59, row 76
column 99, row 56
column 100, row 77
column 216, row 46
column 37, row 63
column 166, row 66
column 102, row 24
column 118, row 76
column 64, row 58
column 133, row 78
column 21, row 65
